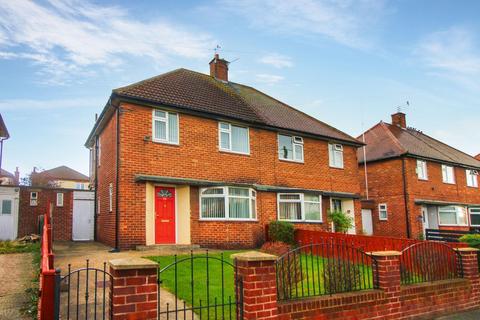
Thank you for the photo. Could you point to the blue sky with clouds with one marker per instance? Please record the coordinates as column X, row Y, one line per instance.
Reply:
column 348, row 63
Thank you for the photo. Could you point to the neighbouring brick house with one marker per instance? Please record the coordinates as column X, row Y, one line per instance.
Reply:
column 60, row 177
column 414, row 182
column 189, row 158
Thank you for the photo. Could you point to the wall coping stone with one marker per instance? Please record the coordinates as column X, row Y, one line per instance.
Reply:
column 385, row 253
column 469, row 249
column 254, row 256
column 132, row 263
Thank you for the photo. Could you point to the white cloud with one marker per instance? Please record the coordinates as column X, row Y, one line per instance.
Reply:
column 277, row 60
column 345, row 22
column 270, row 79
column 34, row 104
column 452, row 54
column 66, row 36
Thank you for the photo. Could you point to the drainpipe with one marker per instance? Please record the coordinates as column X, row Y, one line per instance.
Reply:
column 117, row 161
column 365, row 165
column 405, row 196
column 95, row 186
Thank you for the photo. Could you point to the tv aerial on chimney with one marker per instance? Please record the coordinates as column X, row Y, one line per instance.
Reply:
column 217, row 48
column 401, row 108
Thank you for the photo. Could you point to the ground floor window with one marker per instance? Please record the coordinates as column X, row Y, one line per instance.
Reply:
column 452, row 215
column 299, row 207
column 234, row 203
column 475, row 217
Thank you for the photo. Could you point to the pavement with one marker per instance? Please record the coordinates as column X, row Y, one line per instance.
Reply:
column 470, row 315
column 16, row 274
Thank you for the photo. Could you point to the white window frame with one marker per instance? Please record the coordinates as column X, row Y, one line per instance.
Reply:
column 33, row 199
column 333, row 150
column 252, row 195
column 229, row 131
column 380, row 210
column 423, row 165
column 472, row 178
column 456, row 217
column 60, row 197
column 294, row 152
column 302, row 207
column 165, row 120
column 110, row 197
column 470, row 215
column 445, row 174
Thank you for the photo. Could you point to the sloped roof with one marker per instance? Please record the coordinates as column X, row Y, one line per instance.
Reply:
column 3, row 129
column 5, row 173
column 62, row 173
column 199, row 92
column 385, row 141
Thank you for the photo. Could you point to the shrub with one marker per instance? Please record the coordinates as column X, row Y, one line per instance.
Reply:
column 473, row 240
column 341, row 221
column 342, row 277
column 276, row 248
column 281, row 231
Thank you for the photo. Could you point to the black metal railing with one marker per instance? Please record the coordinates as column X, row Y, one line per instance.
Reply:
column 200, row 287
column 323, row 269
column 84, row 294
column 429, row 261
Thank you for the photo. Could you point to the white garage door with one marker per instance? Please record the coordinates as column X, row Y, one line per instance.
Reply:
column 8, row 213
column 83, row 215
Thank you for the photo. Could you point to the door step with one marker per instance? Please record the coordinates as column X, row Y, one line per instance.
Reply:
column 169, row 247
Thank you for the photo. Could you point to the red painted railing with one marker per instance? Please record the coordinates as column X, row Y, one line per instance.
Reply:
column 364, row 243
column 46, row 301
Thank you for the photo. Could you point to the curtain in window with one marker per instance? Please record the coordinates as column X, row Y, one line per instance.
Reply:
column 173, row 127
column 239, row 139
column 285, row 147
column 298, row 152
column 160, row 130
column 239, row 208
column 447, row 215
column 225, row 140
column 213, row 207
column 291, row 210
column 312, row 211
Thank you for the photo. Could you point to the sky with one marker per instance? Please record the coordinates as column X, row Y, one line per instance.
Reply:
column 348, row 63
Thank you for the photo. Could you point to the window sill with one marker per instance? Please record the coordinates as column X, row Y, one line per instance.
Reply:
column 302, row 221
column 166, row 142
column 382, row 219
column 234, row 152
column 333, row 167
column 292, row 161
column 472, row 187
column 420, row 179
column 450, row 183
column 453, row 225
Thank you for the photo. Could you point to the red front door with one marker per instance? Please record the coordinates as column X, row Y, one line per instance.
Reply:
column 164, row 215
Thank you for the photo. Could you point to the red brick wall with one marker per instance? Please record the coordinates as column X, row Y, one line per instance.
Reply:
column 106, row 175
column 197, row 157
column 61, row 218
column 385, row 183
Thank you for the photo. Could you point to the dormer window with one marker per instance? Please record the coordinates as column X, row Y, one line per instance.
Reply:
column 290, row 148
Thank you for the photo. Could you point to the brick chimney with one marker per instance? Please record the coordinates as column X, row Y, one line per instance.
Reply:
column 219, row 68
column 399, row 119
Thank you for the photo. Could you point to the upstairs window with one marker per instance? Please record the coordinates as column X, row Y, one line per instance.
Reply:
column 33, row 198
column 472, row 180
column 290, row 148
column 448, row 175
column 452, row 215
column 299, row 207
column 233, row 138
column 335, row 152
column 165, row 127
column 59, row 199
column 422, row 170
column 228, row 203
column 382, row 211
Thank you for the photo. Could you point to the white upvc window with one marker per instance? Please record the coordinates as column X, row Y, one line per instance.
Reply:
column 297, row 207
column 33, row 199
column 422, row 170
column 110, row 197
column 448, row 175
column 233, row 138
column 475, row 217
column 452, row 216
column 382, row 211
column 60, row 199
column 472, row 180
column 290, row 148
column 165, row 127
column 80, row 186
column 335, row 152
column 228, row 203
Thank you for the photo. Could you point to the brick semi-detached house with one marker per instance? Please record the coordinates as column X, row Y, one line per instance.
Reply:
column 414, row 182
column 189, row 158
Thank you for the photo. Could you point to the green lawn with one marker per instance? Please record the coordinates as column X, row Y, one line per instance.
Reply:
column 318, row 278
column 17, row 247
column 202, row 294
